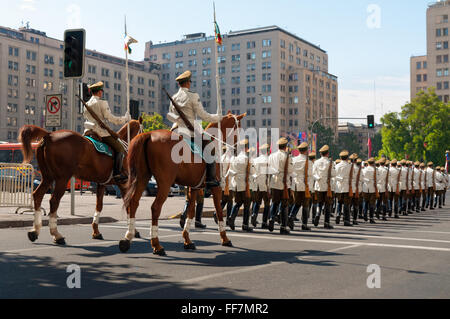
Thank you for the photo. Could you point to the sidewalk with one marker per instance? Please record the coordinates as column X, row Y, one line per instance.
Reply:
column 85, row 208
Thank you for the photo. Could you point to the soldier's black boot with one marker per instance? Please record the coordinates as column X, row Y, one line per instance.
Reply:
column 355, row 215
column 265, row 217
column 246, row 219
column 273, row 212
column 293, row 216
column 184, row 215
column 211, row 180
column 118, row 176
column 234, row 213
column 328, row 218
column 347, row 221
column 198, row 216
column 305, row 216
column 440, row 201
column 284, row 221
column 339, row 213
column 385, row 213
column 396, row 212
column 255, row 213
column 372, row 214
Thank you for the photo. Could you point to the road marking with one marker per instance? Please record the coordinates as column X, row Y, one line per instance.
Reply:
column 208, row 277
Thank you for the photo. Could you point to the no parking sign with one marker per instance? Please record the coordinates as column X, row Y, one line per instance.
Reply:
column 53, row 110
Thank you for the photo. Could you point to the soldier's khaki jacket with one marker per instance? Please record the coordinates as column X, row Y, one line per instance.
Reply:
column 343, row 170
column 298, row 173
column 369, row 180
column 403, row 181
column 277, row 163
column 190, row 104
column 238, row 172
column 393, row 178
column 381, row 178
column 320, row 173
column 261, row 172
column 416, row 181
column 429, row 181
column 102, row 110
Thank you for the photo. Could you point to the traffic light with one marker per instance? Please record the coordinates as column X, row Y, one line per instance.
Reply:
column 371, row 121
column 85, row 94
column 74, row 43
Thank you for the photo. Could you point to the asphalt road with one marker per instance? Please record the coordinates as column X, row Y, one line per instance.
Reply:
column 413, row 254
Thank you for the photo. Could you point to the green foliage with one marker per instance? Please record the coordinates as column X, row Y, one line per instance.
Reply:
column 421, row 131
column 153, row 122
column 348, row 142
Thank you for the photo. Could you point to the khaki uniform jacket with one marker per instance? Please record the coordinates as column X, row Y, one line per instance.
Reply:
column 429, row 177
column 416, row 182
column 298, row 173
column 260, row 173
column 238, row 171
column 369, row 180
column 404, row 174
column 192, row 107
column 101, row 108
column 226, row 163
column 393, row 178
column 277, row 163
column 381, row 179
column 320, row 173
column 343, row 170
column 440, row 182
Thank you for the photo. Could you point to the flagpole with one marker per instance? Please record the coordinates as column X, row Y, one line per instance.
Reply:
column 128, row 82
column 219, row 100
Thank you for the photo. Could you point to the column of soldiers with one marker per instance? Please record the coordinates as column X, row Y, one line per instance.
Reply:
column 347, row 189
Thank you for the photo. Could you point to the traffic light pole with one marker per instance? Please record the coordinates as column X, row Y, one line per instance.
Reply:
column 72, row 127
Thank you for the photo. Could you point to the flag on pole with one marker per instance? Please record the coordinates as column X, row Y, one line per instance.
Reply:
column 219, row 39
column 369, row 146
column 447, row 160
column 128, row 41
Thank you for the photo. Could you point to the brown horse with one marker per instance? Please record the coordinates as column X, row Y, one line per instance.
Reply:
column 150, row 155
column 60, row 156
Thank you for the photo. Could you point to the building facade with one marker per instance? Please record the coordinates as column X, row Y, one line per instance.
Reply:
column 278, row 79
column 419, row 75
column 437, row 57
column 31, row 67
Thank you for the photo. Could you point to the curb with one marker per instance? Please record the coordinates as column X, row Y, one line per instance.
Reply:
column 61, row 222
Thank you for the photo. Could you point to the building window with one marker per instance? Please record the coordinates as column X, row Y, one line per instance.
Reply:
column 266, row 43
column 235, row 47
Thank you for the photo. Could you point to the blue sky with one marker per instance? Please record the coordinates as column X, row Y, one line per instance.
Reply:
column 369, row 42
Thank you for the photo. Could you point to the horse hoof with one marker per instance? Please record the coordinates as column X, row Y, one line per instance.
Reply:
column 190, row 246
column 97, row 237
column 160, row 253
column 137, row 235
column 60, row 242
column 32, row 236
column 227, row 244
column 124, row 245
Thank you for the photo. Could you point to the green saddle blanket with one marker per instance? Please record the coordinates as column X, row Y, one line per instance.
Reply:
column 101, row 147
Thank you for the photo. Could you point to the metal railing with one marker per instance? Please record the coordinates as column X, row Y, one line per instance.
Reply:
column 16, row 186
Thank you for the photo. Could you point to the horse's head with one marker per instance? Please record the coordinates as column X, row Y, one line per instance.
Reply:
column 135, row 129
column 230, row 124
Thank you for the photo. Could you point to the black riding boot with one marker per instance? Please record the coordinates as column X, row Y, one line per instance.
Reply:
column 305, row 216
column 211, row 180
column 347, row 221
column 265, row 217
column 328, row 218
column 198, row 216
column 292, row 216
column 284, row 221
column 184, row 215
column 355, row 215
column 117, row 171
column 273, row 213
column 246, row 219
column 372, row 214
column 234, row 213
column 255, row 212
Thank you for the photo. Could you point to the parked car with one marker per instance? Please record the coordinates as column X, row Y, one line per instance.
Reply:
column 152, row 188
column 109, row 190
column 175, row 191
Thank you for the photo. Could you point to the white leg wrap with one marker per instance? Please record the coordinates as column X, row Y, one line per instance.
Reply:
column 131, row 229
column 52, row 223
column 187, row 225
column 37, row 220
column 221, row 227
column 154, row 232
column 96, row 218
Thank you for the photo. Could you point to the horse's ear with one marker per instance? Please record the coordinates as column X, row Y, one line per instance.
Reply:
column 240, row 117
column 229, row 112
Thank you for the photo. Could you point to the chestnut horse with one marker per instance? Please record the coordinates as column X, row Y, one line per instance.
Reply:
column 60, row 156
column 150, row 155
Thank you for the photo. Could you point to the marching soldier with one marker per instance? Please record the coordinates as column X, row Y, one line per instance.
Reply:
column 313, row 203
column 370, row 190
column 191, row 106
column 439, row 187
column 240, row 186
column 404, row 190
column 262, row 179
column 431, row 185
column 344, row 187
column 356, row 199
column 303, row 182
column 423, row 184
column 394, row 188
column 446, row 182
column 227, row 198
column 102, row 110
column 280, row 167
column 382, row 185
column 323, row 171
column 198, row 209
column 417, row 186
column 410, row 187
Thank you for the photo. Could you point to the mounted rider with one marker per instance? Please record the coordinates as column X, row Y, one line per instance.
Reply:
column 190, row 104
column 101, row 109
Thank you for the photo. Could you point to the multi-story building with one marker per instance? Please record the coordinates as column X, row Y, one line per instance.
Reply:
column 419, row 75
column 437, row 52
column 277, row 78
column 31, row 67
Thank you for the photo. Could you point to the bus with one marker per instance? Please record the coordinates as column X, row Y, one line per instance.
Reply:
column 12, row 153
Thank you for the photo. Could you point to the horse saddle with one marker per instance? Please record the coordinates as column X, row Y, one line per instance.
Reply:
column 102, row 148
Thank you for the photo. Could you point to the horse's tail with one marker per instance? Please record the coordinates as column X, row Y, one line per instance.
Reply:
column 137, row 164
column 27, row 135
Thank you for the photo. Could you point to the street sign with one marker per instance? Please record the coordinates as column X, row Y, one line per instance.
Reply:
column 53, row 110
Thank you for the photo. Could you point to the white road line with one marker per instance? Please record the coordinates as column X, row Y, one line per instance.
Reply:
column 206, row 277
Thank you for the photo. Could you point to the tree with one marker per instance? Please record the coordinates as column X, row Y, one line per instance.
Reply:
column 153, row 122
column 348, row 142
column 325, row 136
column 420, row 132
